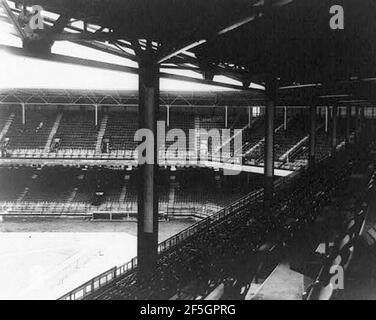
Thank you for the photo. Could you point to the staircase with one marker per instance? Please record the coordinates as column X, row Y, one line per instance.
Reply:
column 72, row 195
column 101, row 133
column 288, row 153
column 7, row 126
column 259, row 144
column 27, row 188
column 54, row 129
column 123, row 194
column 171, row 196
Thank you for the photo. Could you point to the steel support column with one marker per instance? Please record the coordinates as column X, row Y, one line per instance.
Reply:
column 362, row 117
column 23, row 114
column 96, row 115
column 312, row 137
column 168, row 116
column 334, row 130
column 348, row 124
column 147, row 238
column 326, row 119
column 271, row 89
column 226, row 117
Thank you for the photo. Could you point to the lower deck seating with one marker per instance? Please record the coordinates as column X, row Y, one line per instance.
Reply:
column 64, row 190
column 232, row 249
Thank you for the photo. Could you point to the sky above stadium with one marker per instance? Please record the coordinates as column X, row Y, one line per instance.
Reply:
column 21, row 72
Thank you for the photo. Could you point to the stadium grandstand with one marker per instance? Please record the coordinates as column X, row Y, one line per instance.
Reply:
column 229, row 157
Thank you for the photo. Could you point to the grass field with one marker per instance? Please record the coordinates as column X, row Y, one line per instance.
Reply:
column 45, row 258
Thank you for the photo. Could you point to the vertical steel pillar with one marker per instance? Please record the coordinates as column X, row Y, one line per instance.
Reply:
column 226, row 117
column 334, row 130
column 348, row 124
column 168, row 116
column 312, row 137
column 96, row 115
column 326, row 119
column 271, row 96
column 362, row 117
column 23, row 114
column 147, row 238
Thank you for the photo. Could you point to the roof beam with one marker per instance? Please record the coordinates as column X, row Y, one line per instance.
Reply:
column 60, row 24
column 189, row 46
column 166, row 56
column 20, row 31
column 115, row 67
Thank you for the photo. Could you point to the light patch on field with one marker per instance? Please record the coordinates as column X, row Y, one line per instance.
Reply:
column 48, row 265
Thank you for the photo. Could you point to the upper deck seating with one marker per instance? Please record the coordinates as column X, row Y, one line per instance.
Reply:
column 121, row 129
column 77, row 130
column 34, row 134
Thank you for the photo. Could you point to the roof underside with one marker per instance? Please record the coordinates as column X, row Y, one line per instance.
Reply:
column 291, row 39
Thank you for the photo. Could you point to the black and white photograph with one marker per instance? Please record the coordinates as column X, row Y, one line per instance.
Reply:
column 204, row 151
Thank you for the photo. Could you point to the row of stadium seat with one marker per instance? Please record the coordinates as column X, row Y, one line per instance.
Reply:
column 60, row 189
column 340, row 257
column 77, row 136
column 233, row 249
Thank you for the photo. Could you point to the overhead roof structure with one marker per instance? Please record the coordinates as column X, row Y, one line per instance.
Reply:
column 242, row 39
column 129, row 98
column 289, row 97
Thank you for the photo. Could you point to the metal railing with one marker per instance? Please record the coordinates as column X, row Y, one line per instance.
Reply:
column 91, row 286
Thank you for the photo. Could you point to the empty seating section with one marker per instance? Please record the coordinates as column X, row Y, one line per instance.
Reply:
column 34, row 134
column 213, row 192
column 87, row 183
column 253, row 135
column 242, row 245
column 185, row 122
column 212, row 122
column 13, row 183
column 182, row 121
column 255, row 151
column 238, row 121
column 245, row 244
column 69, row 190
column 355, row 206
column 121, row 128
column 78, row 135
column 77, row 131
column 218, row 122
column 50, row 185
column 286, row 139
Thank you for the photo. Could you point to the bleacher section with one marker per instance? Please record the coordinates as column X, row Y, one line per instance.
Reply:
column 64, row 191
column 77, row 130
column 120, row 131
column 238, row 245
column 75, row 136
column 32, row 135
